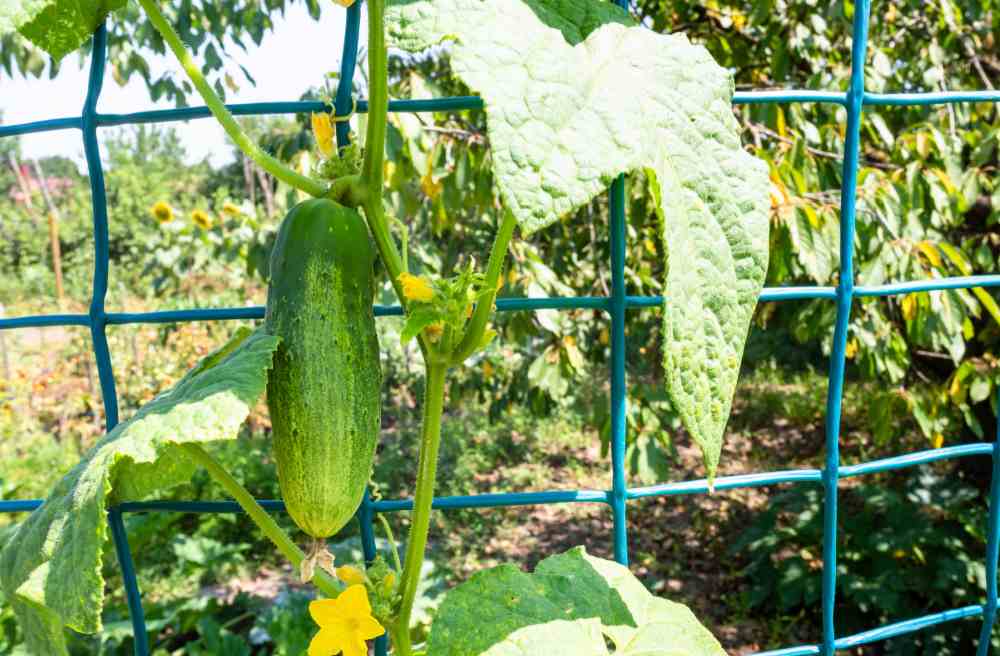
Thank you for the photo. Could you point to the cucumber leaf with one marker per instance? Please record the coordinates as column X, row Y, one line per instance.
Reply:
column 56, row 26
column 576, row 93
column 50, row 568
column 571, row 603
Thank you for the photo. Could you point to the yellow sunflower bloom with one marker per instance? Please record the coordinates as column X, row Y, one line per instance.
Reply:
column 345, row 623
column 162, row 212
column 416, row 288
column 231, row 209
column 201, row 219
column 323, row 131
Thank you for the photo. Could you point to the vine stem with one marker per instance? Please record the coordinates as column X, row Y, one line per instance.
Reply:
column 218, row 108
column 371, row 168
column 416, row 545
column 321, row 579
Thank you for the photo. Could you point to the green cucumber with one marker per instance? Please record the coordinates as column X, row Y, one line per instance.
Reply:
column 324, row 388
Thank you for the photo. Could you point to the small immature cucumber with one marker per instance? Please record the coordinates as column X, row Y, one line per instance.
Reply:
column 324, row 388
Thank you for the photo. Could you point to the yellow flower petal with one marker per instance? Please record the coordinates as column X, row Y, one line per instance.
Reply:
column 350, row 575
column 416, row 288
column 324, row 611
column 323, row 131
column 355, row 647
column 327, row 642
column 353, row 602
column 369, row 627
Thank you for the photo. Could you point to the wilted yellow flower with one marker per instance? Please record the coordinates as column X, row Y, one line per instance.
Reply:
column 416, row 288
column 323, row 131
column 344, row 624
column 201, row 219
column 434, row 331
column 232, row 209
column 162, row 212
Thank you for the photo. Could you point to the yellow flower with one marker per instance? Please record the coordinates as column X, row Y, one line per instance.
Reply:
column 201, row 219
column 389, row 583
column 162, row 212
column 851, row 349
column 232, row 209
column 416, row 288
column 487, row 369
column 351, row 575
column 323, row 131
column 344, row 624
column 937, row 441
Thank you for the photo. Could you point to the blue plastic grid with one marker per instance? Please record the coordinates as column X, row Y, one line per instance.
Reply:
column 616, row 305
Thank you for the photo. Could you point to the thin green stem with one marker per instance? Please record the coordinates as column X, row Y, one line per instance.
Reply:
column 218, row 108
column 372, row 168
column 494, row 267
column 430, row 440
column 378, row 96
column 322, row 580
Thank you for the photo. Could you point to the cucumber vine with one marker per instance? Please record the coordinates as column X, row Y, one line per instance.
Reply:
column 575, row 93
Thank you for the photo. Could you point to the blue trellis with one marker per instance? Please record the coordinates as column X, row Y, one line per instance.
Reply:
column 616, row 305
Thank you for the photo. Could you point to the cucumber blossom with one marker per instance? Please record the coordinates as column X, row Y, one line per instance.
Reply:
column 323, row 391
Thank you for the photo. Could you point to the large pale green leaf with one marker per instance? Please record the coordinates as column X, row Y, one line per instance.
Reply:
column 568, row 606
column 56, row 26
column 576, row 93
column 50, row 569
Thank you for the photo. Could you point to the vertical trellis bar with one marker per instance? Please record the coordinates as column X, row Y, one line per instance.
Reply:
column 98, row 318
column 99, row 200
column 618, row 393
column 619, row 486
column 845, row 297
column 132, row 595
column 992, row 549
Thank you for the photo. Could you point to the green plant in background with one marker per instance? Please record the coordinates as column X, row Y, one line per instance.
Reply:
column 899, row 557
column 710, row 197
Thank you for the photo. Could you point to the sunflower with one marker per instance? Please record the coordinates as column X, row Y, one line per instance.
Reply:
column 201, row 219
column 162, row 212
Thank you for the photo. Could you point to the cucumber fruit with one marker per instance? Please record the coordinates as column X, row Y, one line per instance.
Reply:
column 323, row 391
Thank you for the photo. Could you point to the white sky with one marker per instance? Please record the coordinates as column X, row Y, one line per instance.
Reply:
column 293, row 57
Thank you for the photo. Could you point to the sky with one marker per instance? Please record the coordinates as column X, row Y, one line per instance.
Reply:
column 281, row 72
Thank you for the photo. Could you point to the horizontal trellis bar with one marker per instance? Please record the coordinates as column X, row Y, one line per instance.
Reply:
column 475, row 102
column 933, row 284
column 932, row 98
column 884, row 632
column 772, row 294
column 698, row 486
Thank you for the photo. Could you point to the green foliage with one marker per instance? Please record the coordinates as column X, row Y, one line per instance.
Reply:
column 64, row 538
column 56, row 26
column 574, row 603
column 558, row 155
column 904, row 551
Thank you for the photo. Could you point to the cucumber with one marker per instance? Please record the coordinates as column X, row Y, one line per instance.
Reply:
column 323, row 391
